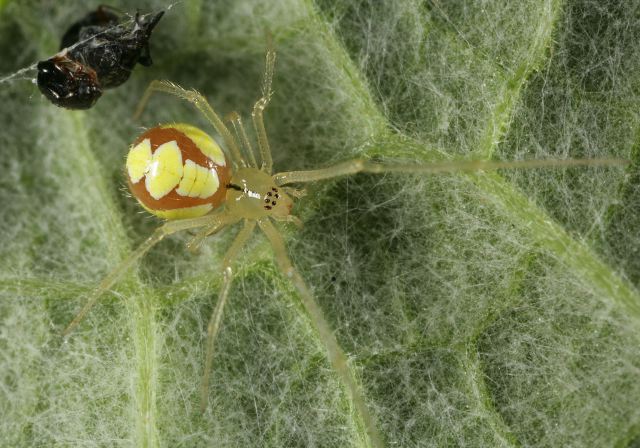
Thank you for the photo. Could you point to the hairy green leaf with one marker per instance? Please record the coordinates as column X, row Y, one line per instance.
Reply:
column 486, row 309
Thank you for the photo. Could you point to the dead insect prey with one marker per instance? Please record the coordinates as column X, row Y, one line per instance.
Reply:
column 97, row 52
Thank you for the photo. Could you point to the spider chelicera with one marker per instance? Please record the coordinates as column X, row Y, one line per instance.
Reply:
column 179, row 173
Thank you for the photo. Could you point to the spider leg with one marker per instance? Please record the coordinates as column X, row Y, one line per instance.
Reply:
column 366, row 166
column 335, row 353
column 199, row 237
column 241, row 135
column 216, row 316
column 166, row 229
column 201, row 103
column 289, row 218
column 295, row 192
column 260, row 106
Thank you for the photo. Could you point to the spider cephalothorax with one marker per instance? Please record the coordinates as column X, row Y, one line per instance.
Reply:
column 253, row 194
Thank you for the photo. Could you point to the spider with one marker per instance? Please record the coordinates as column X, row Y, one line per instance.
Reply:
column 178, row 173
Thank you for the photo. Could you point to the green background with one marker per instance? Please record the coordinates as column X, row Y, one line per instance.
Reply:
column 494, row 309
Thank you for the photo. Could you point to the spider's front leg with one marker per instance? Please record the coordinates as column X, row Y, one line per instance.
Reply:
column 367, row 166
column 290, row 219
column 335, row 353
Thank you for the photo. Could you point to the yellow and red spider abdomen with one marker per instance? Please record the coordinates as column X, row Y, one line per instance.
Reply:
column 177, row 171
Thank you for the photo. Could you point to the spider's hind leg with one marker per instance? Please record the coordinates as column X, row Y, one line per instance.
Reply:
column 194, row 243
column 160, row 233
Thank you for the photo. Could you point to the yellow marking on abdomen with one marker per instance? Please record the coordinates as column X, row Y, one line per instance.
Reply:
column 188, row 178
column 198, row 181
column 181, row 213
column 211, row 184
column 203, row 141
column 165, row 170
column 138, row 160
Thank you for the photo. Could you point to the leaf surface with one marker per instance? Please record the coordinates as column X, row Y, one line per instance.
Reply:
column 486, row 309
